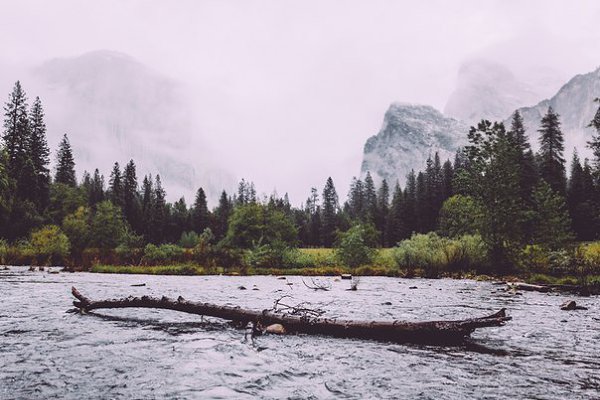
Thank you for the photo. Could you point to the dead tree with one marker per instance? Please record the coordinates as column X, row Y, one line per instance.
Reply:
column 430, row 332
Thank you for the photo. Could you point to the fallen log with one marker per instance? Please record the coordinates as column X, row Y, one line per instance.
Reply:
column 529, row 287
column 430, row 332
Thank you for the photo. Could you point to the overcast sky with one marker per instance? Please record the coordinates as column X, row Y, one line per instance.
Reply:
column 288, row 91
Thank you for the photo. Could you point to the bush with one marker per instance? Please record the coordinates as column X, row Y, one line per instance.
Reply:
column 188, row 240
column 354, row 246
column 48, row 244
column 590, row 256
column 434, row 254
column 164, row 253
column 272, row 255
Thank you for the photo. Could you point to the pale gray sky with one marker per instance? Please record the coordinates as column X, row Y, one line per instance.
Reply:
column 288, row 91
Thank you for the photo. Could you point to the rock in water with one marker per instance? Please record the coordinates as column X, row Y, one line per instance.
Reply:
column 571, row 305
column 277, row 329
column 409, row 135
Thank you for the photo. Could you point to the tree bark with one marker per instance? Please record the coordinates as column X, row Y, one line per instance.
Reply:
column 430, row 332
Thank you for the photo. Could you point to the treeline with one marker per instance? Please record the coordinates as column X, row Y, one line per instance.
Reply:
column 496, row 187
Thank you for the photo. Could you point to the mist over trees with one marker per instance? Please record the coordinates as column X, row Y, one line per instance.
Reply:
column 496, row 187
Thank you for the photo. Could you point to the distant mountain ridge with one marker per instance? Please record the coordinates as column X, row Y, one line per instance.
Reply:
column 574, row 102
column 409, row 135
column 114, row 108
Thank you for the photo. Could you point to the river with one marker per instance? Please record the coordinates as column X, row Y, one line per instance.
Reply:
column 48, row 352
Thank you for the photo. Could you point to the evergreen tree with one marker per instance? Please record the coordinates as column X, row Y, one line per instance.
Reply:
column 148, row 199
column 492, row 179
column 582, row 201
column 382, row 211
column 397, row 228
column 96, row 190
column 159, row 213
column 132, row 208
column 552, row 163
column 409, row 216
column 16, row 131
column 222, row 214
column 65, row 167
column 517, row 136
column 552, row 222
column 39, row 154
column 200, row 214
column 594, row 144
column 370, row 200
column 313, row 218
column 179, row 220
column 422, row 204
column 115, row 186
column 329, row 213
column 447, row 179
column 356, row 199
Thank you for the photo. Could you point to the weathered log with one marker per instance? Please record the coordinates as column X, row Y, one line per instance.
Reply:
column 529, row 287
column 430, row 332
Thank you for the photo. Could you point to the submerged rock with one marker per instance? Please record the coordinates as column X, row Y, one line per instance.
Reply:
column 277, row 329
column 571, row 305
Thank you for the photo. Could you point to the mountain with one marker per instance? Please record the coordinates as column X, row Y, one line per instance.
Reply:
column 409, row 135
column 489, row 90
column 114, row 108
column 574, row 103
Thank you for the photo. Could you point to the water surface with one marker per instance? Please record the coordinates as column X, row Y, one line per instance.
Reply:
column 47, row 352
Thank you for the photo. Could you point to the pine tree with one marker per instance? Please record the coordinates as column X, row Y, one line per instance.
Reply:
column 148, row 199
column 382, row 211
column 492, row 179
column 313, row 219
column 159, row 213
column 222, row 214
column 132, row 208
column 356, row 199
column 115, row 186
column 580, row 201
column 552, row 163
column 409, row 216
column 447, row 179
column 517, row 136
column 329, row 213
column 200, row 214
column 370, row 200
column 397, row 228
column 96, row 191
column 552, row 222
column 39, row 154
column 65, row 167
column 16, row 131
column 594, row 144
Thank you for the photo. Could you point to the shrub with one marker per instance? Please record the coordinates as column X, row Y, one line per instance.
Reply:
column 354, row 246
column 164, row 253
column 188, row 240
column 434, row 254
column 590, row 255
column 272, row 255
column 49, row 244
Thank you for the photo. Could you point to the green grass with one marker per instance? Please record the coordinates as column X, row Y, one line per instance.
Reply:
column 185, row 269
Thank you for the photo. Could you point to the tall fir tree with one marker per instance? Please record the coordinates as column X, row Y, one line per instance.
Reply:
column 65, row 164
column 329, row 213
column 221, row 216
column 594, row 144
column 96, row 190
column 356, row 199
column 148, row 199
column 552, row 221
column 382, row 211
column 39, row 154
column 159, row 213
column 370, row 200
column 552, row 163
column 115, row 186
column 132, row 208
column 580, row 200
column 200, row 213
column 16, row 132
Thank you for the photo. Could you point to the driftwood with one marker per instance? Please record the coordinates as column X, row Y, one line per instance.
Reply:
column 431, row 332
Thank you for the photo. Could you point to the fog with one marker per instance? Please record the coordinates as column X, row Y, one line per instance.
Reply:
column 285, row 93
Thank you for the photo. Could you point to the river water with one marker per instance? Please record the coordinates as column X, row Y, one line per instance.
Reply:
column 48, row 352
